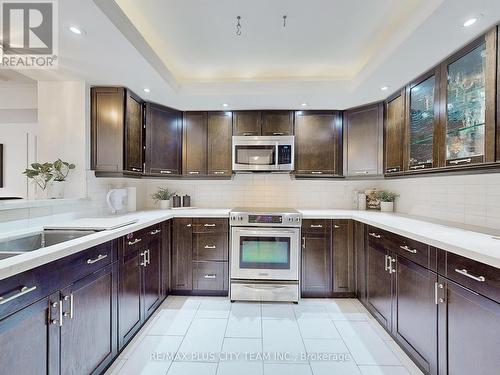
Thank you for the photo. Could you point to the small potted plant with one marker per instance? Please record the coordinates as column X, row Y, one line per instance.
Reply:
column 40, row 173
column 387, row 201
column 163, row 196
column 60, row 170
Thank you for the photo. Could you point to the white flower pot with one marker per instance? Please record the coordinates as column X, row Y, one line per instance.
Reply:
column 387, row 206
column 56, row 190
column 165, row 205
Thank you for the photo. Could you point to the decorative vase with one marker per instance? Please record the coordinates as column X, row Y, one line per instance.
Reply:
column 56, row 190
column 386, row 206
column 164, row 205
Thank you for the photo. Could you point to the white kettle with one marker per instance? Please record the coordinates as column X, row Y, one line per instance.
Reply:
column 115, row 199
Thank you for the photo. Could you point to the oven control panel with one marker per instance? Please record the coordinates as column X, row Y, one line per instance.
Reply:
column 263, row 219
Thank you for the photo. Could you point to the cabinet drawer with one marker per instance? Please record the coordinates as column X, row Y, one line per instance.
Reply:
column 316, row 225
column 210, row 246
column 209, row 275
column 89, row 261
column 201, row 225
column 136, row 240
column 476, row 276
column 415, row 251
column 377, row 237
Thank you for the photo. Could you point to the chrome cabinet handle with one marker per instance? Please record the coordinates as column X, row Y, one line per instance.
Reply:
column 99, row 258
column 143, row 255
column 303, row 242
column 466, row 273
column 136, row 169
column 194, row 172
column 421, row 166
column 148, row 254
column 209, row 225
column 156, row 231
column 437, row 299
column 71, row 306
column 53, row 305
column 316, row 172
column 24, row 290
column 361, row 172
column 210, row 247
column 137, row 240
column 391, row 266
column 210, row 276
column 375, row 235
column 188, row 225
column 405, row 247
column 165, row 172
column 249, row 133
column 60, row 314
column 336, row 226
column 460, row 161
column 386, row 260
column 394, row 169
column 316, row 226
column 278, row 133
column 219, row 172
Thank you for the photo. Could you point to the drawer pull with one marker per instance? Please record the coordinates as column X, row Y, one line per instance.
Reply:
column 413, row 251
column 210, row 247
column 460, row 161
column 336, row 226
column 95, row 260
column 188, row 225
column 421, row 166
column 375, row 235
column 137, row 240
column 209, row 225
column 386, row 261
column 466, row 273
column 210, row 276
column 316, row 226
column 361, row 172
column 69, row 298
column 219, row 172
column 278, row 133
column 24, row 290
column 136, row 169
column 165, row 172
column 156, row 231
column 316, row 172
column 194, row 172
column 248, row 133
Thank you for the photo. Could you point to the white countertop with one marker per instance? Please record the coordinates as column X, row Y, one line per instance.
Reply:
column 475, row 245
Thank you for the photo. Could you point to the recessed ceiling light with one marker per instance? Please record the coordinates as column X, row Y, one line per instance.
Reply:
column 146, row 90
column 75, row 30
column 470, row 22
column 384, row 88
column 304, row 104
column 225, row 105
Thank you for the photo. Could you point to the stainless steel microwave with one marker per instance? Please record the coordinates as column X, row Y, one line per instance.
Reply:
column 263, row 153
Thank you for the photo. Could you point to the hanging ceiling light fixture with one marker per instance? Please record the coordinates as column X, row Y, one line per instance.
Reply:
column 238, row 26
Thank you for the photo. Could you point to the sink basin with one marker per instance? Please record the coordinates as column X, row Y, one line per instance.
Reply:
column 39, row 240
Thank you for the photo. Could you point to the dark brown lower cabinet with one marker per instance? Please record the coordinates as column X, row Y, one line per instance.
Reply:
column 152, row 277
column 343, row 257
column 182, row 244
column 316, row 270
column 469, row 326
column 379, row 284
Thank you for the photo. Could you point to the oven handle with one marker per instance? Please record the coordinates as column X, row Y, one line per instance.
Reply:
column 265, row 232
column 265, row 287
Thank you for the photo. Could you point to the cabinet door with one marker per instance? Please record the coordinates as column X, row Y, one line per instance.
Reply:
column 379, row 285
column 363, row 139
column 277, row 123
column 219, row 144
column 134, row 149
column 195, row 144
column 415, row 313
column 468, row 334
column 129, row 297
column 182, row 245
column 360, row 260
column 343, row 257
column 166, row 238
column 152, row 277
column 318, row 143
column 29, row 340
column 107, row 130
column 316, row 270
column 468, row 98
column 247, row 123
column 88, row 341
column 394, row 133
column 163, row 140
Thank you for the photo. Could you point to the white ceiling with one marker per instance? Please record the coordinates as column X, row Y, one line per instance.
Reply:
column 332, row 54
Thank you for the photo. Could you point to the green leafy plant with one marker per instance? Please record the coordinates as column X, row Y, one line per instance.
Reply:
column 41, row 173
column 61, row 169
column 386, row 196
column 163, row 194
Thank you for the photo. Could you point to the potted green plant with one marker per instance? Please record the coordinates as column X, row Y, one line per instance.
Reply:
column 387, row 200
column 40, row 173
column 60, row 170
column 163, row 196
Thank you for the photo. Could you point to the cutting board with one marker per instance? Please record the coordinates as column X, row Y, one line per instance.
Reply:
column 93, row 223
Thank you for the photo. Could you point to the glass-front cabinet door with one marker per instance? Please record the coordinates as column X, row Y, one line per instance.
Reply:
column 422, row 121
column 469, row 111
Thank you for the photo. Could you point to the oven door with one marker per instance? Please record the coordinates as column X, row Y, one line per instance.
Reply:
column 265, row 253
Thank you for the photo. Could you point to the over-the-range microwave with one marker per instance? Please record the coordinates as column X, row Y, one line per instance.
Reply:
column 263, row 153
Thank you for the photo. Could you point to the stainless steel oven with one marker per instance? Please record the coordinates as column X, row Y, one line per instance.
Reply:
column 265, row 254
column 263, row 153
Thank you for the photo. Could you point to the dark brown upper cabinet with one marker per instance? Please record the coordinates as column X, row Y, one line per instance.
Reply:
column 194, row 151
column 277, row 123
column 219, row 144
column 163, row 140
column 363, row 141
column 394, row 139
column 468, row 95
column 116, row 130
column 318, row 143
column 247, row 123
column 422, row 114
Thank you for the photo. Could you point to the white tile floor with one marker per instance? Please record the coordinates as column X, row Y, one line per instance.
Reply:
column 209, row 335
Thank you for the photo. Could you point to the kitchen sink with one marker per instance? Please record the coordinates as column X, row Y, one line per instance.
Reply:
column 39, row 240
